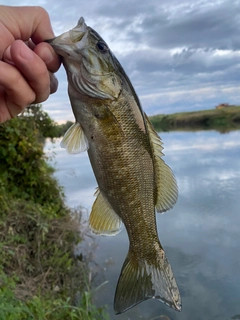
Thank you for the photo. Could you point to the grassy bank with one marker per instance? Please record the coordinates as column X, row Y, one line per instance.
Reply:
column 223, row 120
column 40, row 277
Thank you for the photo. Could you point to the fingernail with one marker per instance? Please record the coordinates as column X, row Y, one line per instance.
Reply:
column 7, row 57
column 25, row 52
column 53, row 83
column 47, row 55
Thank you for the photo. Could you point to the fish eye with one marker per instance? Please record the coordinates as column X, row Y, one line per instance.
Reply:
column 102, row 47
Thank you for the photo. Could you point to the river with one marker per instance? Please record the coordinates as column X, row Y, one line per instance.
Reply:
column 200, row 234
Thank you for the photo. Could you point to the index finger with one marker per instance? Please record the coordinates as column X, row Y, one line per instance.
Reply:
column 26, row 61
column 27, row 22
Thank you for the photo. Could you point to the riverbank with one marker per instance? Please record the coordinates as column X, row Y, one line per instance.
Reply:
column 222, row 120
column 40, row 277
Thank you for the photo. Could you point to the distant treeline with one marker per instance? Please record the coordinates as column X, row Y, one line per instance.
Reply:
column 222, row 119
column 42, row 121
column 60, row 129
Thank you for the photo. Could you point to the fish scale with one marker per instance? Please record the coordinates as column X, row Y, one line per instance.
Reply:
column 126, row 156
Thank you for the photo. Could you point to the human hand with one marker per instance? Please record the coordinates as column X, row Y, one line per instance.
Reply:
column 27, row 63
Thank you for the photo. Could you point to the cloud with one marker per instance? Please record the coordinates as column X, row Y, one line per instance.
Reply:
column 180, row 56
column 205, row 26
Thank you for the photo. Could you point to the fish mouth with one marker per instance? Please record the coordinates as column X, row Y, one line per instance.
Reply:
column 70, row 37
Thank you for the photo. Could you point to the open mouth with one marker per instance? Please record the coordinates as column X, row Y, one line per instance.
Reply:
column 73, row 36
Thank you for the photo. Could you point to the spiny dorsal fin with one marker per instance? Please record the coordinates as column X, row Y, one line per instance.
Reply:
column 103, row 220
column 167, row 191
column 74, row 139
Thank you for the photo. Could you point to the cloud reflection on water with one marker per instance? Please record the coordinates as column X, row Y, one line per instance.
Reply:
column 200, row 235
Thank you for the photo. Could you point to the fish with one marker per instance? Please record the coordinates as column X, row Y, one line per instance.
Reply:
column 125, row 152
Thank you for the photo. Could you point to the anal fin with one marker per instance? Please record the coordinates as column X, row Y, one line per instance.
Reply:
column 103, row 220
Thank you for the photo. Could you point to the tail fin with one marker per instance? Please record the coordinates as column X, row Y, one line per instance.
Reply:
column 140, row 281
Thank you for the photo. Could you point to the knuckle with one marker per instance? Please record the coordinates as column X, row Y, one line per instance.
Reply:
column 41, row 77
column 16, row 79
column 42, row 15
column 42, row 95
column 29, row 99
column 25, row 96
column 42, row 12
column 40, row 80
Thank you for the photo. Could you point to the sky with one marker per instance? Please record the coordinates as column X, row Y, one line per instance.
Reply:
column 179, row 55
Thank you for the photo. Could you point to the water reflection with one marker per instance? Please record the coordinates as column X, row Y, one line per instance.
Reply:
column 200, row 235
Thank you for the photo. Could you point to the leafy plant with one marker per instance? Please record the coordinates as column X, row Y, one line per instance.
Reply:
column 39, row 274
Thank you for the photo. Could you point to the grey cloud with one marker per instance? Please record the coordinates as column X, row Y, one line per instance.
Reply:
column 122, row 9
column 144, row 35
column 200, row 61
column 200, row 64
column 167, row 24
column 203, row 27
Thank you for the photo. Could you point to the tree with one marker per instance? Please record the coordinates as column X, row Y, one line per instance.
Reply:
column 41, row 120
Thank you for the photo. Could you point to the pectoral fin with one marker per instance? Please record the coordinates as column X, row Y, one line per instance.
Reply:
column 103, row 220
column 167, row 191
column 74, row 139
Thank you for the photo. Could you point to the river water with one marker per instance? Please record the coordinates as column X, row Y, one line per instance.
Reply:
column 200, row 234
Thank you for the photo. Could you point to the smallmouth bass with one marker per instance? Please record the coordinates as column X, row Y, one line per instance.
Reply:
column 126, row 156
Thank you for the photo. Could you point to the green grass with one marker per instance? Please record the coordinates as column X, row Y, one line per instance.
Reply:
column 223, row 120
column 44, row 308
column 40, row 277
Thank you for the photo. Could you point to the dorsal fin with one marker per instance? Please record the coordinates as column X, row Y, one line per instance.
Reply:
column 103, row 220
column 74, row 139
column 167, row 191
